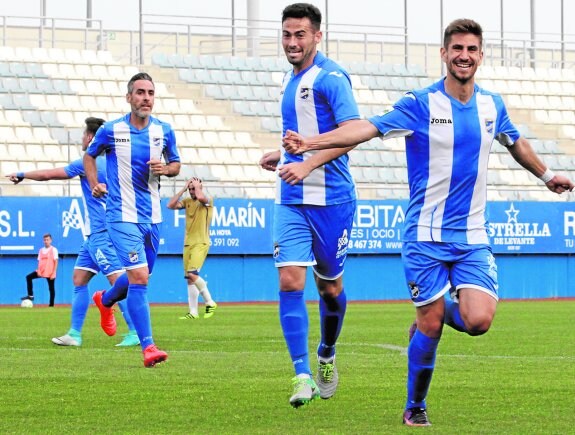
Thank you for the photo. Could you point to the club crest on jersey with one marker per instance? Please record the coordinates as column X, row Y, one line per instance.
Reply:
column 157, row 141
column 304, row 93
column 133, row 257
column 489, row 123
column 414, row 289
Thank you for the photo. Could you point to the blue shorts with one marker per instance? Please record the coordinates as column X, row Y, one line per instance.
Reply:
column 97, row 254
column 136, row 244
column 431, row 269
column 311, row 235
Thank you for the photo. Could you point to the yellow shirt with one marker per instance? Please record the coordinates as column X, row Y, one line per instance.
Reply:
column 198, row 220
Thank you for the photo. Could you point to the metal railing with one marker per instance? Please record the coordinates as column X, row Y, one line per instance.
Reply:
column 240, row 37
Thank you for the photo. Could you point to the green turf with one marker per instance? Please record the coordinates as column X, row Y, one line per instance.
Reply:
column 231, row 374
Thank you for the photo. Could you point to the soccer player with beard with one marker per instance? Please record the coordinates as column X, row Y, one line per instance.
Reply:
column 315, row 201
column 134, row 145
column 449, row 128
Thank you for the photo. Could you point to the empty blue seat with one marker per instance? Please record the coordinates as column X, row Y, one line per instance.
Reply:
column 176, row 60
column 223, row 62
column 18, row 69
column 7, row 102
column 62, row 86
column 28, row 84
column 45, row 86
column 160, row 59
column 50, row 119
column 191, row 61
column 22, row 101
column 35, row 70
column 11, row 84
column 207, row 61
column 32, row 117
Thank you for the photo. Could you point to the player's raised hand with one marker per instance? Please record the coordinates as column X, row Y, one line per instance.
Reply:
column 293, row 142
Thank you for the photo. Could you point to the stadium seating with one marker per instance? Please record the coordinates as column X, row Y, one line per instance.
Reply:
column 233, row 117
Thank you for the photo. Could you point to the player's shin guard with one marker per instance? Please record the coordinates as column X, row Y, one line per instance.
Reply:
column 452, row 316
column 80, row 304
column 332, row 313
column 294, row 322
column 420, row 365
column 139, row 310
column 118, row 292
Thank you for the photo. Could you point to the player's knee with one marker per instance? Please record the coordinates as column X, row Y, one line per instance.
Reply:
column 330, row 288
column 431, row 327
column 478, row 324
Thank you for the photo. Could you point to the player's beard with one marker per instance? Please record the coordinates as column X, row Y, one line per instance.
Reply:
column 462, row 80
column 140, row 114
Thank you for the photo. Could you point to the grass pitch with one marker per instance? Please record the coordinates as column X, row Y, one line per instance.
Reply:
column 231, row 374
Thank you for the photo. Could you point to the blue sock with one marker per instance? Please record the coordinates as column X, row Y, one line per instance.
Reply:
column 118, row 292
column 420, row 364
column 80, row 304
column 124, row 308
column 139, row 309
column 331, row 314
column 452, row 316
column 295, row 324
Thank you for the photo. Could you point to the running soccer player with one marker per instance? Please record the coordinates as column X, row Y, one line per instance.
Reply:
column 97, row 253
column 312, row 218
column 449, row 129
column 134, row 145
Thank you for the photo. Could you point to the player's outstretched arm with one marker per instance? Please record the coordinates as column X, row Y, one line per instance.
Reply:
column 349, row 134
column 523, row 153
column 39, row 175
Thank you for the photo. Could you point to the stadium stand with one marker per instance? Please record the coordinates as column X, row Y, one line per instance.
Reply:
column 225, row 112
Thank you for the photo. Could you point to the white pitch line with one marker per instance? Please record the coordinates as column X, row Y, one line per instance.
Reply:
column 392, row 347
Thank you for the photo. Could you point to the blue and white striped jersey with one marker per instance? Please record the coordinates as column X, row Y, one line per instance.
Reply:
column 312, row 102
column 447, row 148
column 94, row 208
column 134, row 192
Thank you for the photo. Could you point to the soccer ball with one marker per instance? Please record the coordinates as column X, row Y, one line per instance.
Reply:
column 27, row 303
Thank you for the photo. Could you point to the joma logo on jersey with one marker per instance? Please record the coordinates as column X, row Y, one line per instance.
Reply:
column 441, row 121
column 121, row 140
column 304, row 93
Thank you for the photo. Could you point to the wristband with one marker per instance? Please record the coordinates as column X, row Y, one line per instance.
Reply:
column 547, row 176
column 20, row 175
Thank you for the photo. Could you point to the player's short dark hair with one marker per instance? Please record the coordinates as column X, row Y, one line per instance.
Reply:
column 47, row 235
column 93, row 124
column 136, row 77
column 462, row 25
column 303, row 10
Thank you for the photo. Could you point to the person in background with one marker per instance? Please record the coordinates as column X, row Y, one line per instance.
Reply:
column 199, row 209
column 134, row 146
column 312, row 217
column 449, row 128
column 97, row 253
column 47, row 267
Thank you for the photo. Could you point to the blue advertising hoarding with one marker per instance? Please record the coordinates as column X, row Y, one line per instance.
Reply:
column 243, row 226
